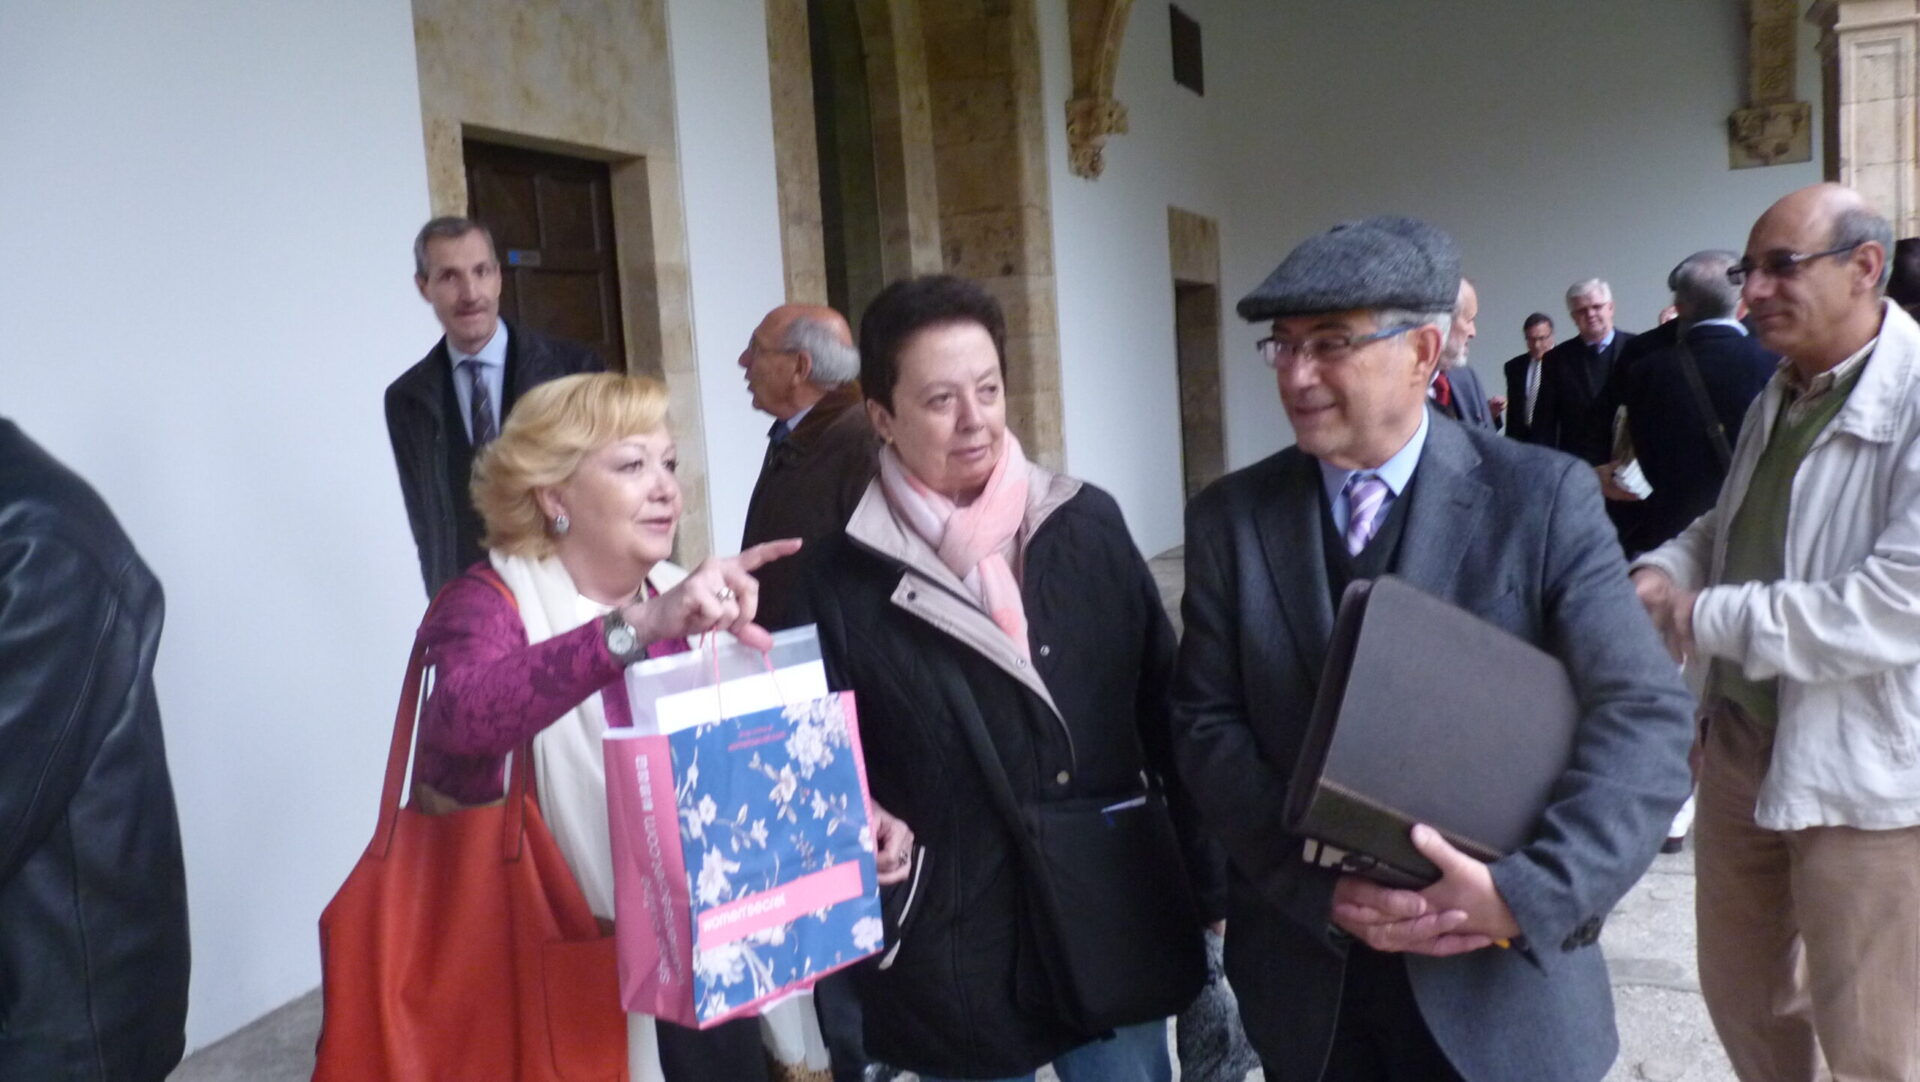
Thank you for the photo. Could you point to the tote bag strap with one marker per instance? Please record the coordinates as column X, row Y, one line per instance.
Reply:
column 406, row 717
column 1703, row 402
column 999, row 786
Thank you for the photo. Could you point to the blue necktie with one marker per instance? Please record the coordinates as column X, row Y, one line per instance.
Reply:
column 480, row 404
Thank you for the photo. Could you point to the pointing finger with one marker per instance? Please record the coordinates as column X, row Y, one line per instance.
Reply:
column 767, row 552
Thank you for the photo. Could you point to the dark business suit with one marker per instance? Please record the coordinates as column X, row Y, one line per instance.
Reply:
column 1670, row 435
column 434, row 455
column 1567, row 415
column 809, row 485
column 1469, row 404
column 1516, row 415
column 1515, row 536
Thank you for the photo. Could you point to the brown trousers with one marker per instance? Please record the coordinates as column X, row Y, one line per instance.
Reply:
column 1809, row 939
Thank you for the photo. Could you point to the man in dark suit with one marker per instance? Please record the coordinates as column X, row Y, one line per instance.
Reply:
column 1574, row 373
column 1672, row 435
column 1524, row 376
column 1490, row 974
column 802, row 368
column 453, row 401
column 1455, row 389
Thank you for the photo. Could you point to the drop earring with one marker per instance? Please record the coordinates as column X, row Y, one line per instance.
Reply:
column 561, row 523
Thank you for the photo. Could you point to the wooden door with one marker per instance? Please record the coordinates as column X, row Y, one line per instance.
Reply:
column 552, row 222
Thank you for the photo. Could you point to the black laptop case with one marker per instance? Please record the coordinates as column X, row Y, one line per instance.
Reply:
column 1426, row 714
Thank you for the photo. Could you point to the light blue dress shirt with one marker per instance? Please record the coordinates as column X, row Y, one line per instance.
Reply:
column 493, row 369
column 1396, row 472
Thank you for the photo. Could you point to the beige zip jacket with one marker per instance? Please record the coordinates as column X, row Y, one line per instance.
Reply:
column 1842, row 631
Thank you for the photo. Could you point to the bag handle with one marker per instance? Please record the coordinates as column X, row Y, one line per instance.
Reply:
column 406, row 719
column 710, row 648
column 999, row 786
column 1000, row 790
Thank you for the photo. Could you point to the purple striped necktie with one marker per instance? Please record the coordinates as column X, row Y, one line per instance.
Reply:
column 1366, row 494
column 484, row 428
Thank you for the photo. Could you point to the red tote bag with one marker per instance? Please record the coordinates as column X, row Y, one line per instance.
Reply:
column 460, row 947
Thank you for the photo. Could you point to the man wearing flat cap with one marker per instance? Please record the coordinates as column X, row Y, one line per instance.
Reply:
column 1491, row 974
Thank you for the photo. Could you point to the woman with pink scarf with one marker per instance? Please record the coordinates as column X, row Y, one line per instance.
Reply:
column 1011, row 663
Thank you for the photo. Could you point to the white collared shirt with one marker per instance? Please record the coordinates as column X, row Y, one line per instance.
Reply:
column 493, row 369
column 1723, row 321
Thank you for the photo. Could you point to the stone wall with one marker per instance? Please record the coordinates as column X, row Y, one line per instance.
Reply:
column 989, row 148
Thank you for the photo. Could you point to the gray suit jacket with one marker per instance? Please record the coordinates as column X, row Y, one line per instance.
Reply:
column 1470, row 398
column 1516, row 535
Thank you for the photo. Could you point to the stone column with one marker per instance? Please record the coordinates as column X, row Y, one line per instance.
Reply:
column 1871, row 47
column 796, row 153
column 990, row 150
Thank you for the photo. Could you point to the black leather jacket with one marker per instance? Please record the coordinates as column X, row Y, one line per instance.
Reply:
column 93, row 897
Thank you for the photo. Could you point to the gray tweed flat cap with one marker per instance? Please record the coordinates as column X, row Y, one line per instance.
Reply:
column 1381, row 262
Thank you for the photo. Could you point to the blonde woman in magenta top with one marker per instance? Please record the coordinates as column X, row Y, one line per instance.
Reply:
column 581, row 503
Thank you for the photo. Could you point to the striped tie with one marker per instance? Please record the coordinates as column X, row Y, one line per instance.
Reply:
column 1366, row 494
column 481, row 414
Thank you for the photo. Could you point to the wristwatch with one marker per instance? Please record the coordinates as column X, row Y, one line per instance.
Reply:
column 623, row 642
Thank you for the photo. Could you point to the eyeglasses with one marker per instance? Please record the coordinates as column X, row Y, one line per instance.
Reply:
column 1781, row 264
column 1326, row 348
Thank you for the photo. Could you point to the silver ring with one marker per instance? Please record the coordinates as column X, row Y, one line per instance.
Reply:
column 724, row 593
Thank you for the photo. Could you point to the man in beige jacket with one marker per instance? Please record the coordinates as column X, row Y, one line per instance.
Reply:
column 1797, row 601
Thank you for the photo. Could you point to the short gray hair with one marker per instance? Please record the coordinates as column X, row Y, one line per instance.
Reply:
column 1586, row 288
column 1864, row 225
column 449, row 227
column 834, row 361
column 1407, row 317
column 1700, row 286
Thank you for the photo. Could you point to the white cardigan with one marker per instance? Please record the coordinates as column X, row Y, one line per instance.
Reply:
column 1842, row 630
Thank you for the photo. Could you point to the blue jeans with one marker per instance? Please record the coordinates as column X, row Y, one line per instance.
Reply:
column 1132, row 1054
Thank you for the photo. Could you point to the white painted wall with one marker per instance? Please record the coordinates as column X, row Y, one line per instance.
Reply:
column 1556, row 142
column 1114, row 277
column 1554, row 146
column 209, row 209
column 724, row 115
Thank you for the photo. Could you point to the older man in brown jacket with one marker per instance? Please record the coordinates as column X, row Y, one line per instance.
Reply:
column 802, row 367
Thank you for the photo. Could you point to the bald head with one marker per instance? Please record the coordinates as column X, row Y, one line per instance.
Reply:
column 1815, row 265
column 778, row 321
column 796, row 355
column 1815, row 206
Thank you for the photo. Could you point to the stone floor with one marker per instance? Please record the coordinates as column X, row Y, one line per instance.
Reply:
column 1649, row 943
column 1664, row 1035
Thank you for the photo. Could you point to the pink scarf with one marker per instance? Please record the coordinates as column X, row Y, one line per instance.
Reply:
column 973, row 541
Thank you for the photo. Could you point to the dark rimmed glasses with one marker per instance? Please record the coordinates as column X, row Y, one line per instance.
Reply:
column 1330, row 348
column 1780, row 263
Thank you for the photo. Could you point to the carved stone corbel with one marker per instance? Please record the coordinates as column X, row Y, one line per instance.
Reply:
column 1771, row 134
column 1096, row 27
column 1089, row 122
